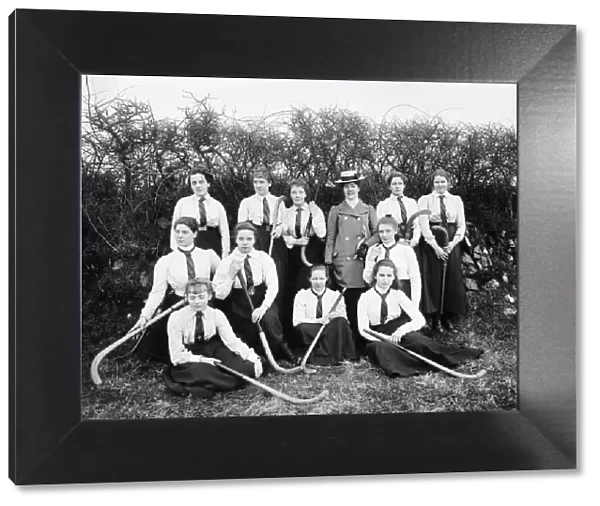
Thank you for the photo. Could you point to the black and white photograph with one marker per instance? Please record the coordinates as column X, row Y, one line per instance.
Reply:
column 265, row 247
column 295, row 251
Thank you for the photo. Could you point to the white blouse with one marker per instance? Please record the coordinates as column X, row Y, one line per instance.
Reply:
column 288, row 221
column 251, row 209
column 263, row 271
column 215, row 216
column 455, row 213
column 181, row 328
column 391, row 207
column 405, row 260
column 305, row 306
column 172, row 270
column 369, row 311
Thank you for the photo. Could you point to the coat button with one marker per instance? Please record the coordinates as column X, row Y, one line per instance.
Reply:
column 345, row 217
column 347, row 238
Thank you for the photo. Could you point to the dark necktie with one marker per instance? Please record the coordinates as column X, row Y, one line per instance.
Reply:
column 402, row 210
column 190, row 263
column 387, row 251
column 443, row 216
column 298, row 227
column 266, row 212
column 383, row 313
column 199, row 332
column 248, row 272
column 202, row 210
column 319, row 304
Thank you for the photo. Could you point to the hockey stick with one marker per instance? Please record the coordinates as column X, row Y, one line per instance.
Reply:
column 261, row 333
column 441, row 237
column 96, row 362
column 303, row 248
column 386, row 339
column 275, row 219
column 411, row 219
column 276, row 393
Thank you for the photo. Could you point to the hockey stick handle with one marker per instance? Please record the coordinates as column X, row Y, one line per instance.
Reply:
column 275, row 222
column 96, row 362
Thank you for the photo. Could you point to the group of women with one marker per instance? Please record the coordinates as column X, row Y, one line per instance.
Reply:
column 295, row 276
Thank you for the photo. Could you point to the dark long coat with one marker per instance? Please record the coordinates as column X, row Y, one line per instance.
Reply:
column 346, row 228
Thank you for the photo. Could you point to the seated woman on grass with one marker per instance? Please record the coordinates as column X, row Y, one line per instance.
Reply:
column 200, row 336
column 403, row 256
column 386, row 309
column 311, row 311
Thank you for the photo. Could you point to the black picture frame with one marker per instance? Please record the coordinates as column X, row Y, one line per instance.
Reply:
column 51, row 50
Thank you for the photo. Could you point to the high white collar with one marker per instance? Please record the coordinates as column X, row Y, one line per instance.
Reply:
column 382, row 293
column 244, row 255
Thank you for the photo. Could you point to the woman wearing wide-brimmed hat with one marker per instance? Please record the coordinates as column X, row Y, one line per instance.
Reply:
column 351, row 226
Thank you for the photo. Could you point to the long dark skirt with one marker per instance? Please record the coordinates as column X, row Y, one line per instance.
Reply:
column 241, row 323
column 455, row 297
column 396, row 362
column 298, row 278
column 204, row 380
column 279, row 256
column 154, row 344
column 335, row 344
column 405, row 287
column 351, row 296
column 209, row 239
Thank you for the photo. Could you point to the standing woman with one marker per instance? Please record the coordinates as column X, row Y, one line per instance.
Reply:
column 260, row 210
column 171, row 274
column 213, row 228
column 400, row 207
column 263, row 210
column 351, row 226
column 303, row 230
column 447, row 213
column 386, row 309
column 260, row 275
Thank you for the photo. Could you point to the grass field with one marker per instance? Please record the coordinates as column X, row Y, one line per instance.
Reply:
column 132, row 389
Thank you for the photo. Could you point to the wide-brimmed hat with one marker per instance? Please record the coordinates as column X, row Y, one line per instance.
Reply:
column 349, row 176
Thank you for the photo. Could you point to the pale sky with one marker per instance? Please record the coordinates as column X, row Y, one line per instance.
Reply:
column 467, row 102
